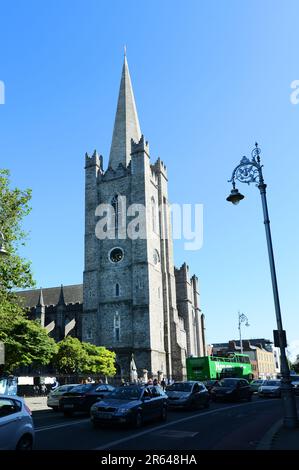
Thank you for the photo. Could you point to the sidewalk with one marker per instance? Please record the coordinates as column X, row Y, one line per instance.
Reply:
column 37, row 403
column 285, row 439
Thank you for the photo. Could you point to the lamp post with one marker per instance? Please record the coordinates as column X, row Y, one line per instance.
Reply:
column 250, row 171
column 242, row 319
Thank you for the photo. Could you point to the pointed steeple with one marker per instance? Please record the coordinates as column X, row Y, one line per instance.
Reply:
column 126, row 124
column 61, row 300
column 40, row 302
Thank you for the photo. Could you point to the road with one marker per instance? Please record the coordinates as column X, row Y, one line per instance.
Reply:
column 238, row 426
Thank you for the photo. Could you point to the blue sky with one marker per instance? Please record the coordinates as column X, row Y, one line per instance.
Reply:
column 210, row 78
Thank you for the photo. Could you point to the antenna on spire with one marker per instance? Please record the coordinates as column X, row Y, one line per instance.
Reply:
column 125, row 50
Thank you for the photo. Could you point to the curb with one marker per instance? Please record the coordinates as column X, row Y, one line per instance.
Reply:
column 267, row 440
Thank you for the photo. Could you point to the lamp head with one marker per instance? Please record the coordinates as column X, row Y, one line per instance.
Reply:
column 235, row 197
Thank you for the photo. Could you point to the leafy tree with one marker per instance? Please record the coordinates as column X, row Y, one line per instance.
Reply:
column 26, row 343
column 76, row 357
column 15, row 271
column 71, row 358
column 100, row 360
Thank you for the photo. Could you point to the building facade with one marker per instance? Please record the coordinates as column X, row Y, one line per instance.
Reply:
column 134, row 301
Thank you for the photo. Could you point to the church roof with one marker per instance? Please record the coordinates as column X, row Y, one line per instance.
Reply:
column 51, row 295
column 126, row 125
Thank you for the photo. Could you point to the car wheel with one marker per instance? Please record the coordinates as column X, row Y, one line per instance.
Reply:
column 163, row 415
column 25, row 443
column 138, row 420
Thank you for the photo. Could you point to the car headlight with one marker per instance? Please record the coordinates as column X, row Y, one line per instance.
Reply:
column 124, row 410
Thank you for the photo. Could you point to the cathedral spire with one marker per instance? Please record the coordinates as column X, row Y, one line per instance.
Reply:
column 126, row 124
column 40, row 302
column 61, row 300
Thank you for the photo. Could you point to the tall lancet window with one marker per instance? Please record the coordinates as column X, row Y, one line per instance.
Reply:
column 154, row 214
column 116, row 326
column 116, row 290
column 115, row 205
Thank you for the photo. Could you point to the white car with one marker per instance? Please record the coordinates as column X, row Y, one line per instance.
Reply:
column 16, row 425
column 55, row 395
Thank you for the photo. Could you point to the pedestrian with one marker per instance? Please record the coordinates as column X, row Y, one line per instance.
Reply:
column 155, row 382
column 163, row 384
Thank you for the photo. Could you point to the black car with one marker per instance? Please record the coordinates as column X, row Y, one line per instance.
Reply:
column 81, row 397
column 231, row 390
column 190, row 394
column 132, row 404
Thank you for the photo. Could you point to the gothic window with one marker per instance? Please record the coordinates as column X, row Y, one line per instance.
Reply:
column 116, row 207
column 117, row 290
column 153, row 215
column 116, row 326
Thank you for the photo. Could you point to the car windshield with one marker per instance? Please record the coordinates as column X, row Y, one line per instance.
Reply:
column 272, row 383
column 126, row 393
column 231, row 383
column 179, row 387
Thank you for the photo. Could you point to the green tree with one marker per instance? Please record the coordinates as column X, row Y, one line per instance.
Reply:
column 26, row 343
column 100, row 360
column 74, row 356
column 295, row 365
column 71, row 358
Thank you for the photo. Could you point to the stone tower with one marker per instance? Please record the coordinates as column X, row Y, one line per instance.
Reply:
column 129, row 284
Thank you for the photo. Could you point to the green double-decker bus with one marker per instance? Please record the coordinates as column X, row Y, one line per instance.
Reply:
column 217, row 367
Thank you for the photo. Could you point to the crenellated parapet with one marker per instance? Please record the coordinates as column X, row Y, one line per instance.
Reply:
column 160, row 167
column 95, row 160
column 142, row 146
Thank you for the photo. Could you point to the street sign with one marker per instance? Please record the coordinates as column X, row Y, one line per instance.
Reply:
column 282, row 335
column 2, row 353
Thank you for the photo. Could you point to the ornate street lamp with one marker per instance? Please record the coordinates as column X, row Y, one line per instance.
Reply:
column 250, row 171
column 242, row 319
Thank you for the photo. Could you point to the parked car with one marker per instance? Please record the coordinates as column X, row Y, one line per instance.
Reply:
column 256, row 384
column 189, row 394
column 231, row 390
column 56, row 394
column 81, row 397
column 209, row 384
column 295, row 383
column 272, row 388
column 133, row 404
column 16, row 425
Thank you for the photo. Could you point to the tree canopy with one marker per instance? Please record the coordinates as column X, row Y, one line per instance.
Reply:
column 74, row 356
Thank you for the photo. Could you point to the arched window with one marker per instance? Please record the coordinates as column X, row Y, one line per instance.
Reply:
column 117, row 290
column 115, row 205
column 116, row 326
column 154, row 215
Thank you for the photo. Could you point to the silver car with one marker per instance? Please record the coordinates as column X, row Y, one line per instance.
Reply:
column 16, row 425
column 256, row 384
column 271, row 388
column 54, row 396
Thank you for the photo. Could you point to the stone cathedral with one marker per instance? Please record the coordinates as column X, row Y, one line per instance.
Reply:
column 133, row 300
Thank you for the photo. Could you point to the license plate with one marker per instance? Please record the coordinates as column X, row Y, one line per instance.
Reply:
column 68, row 406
